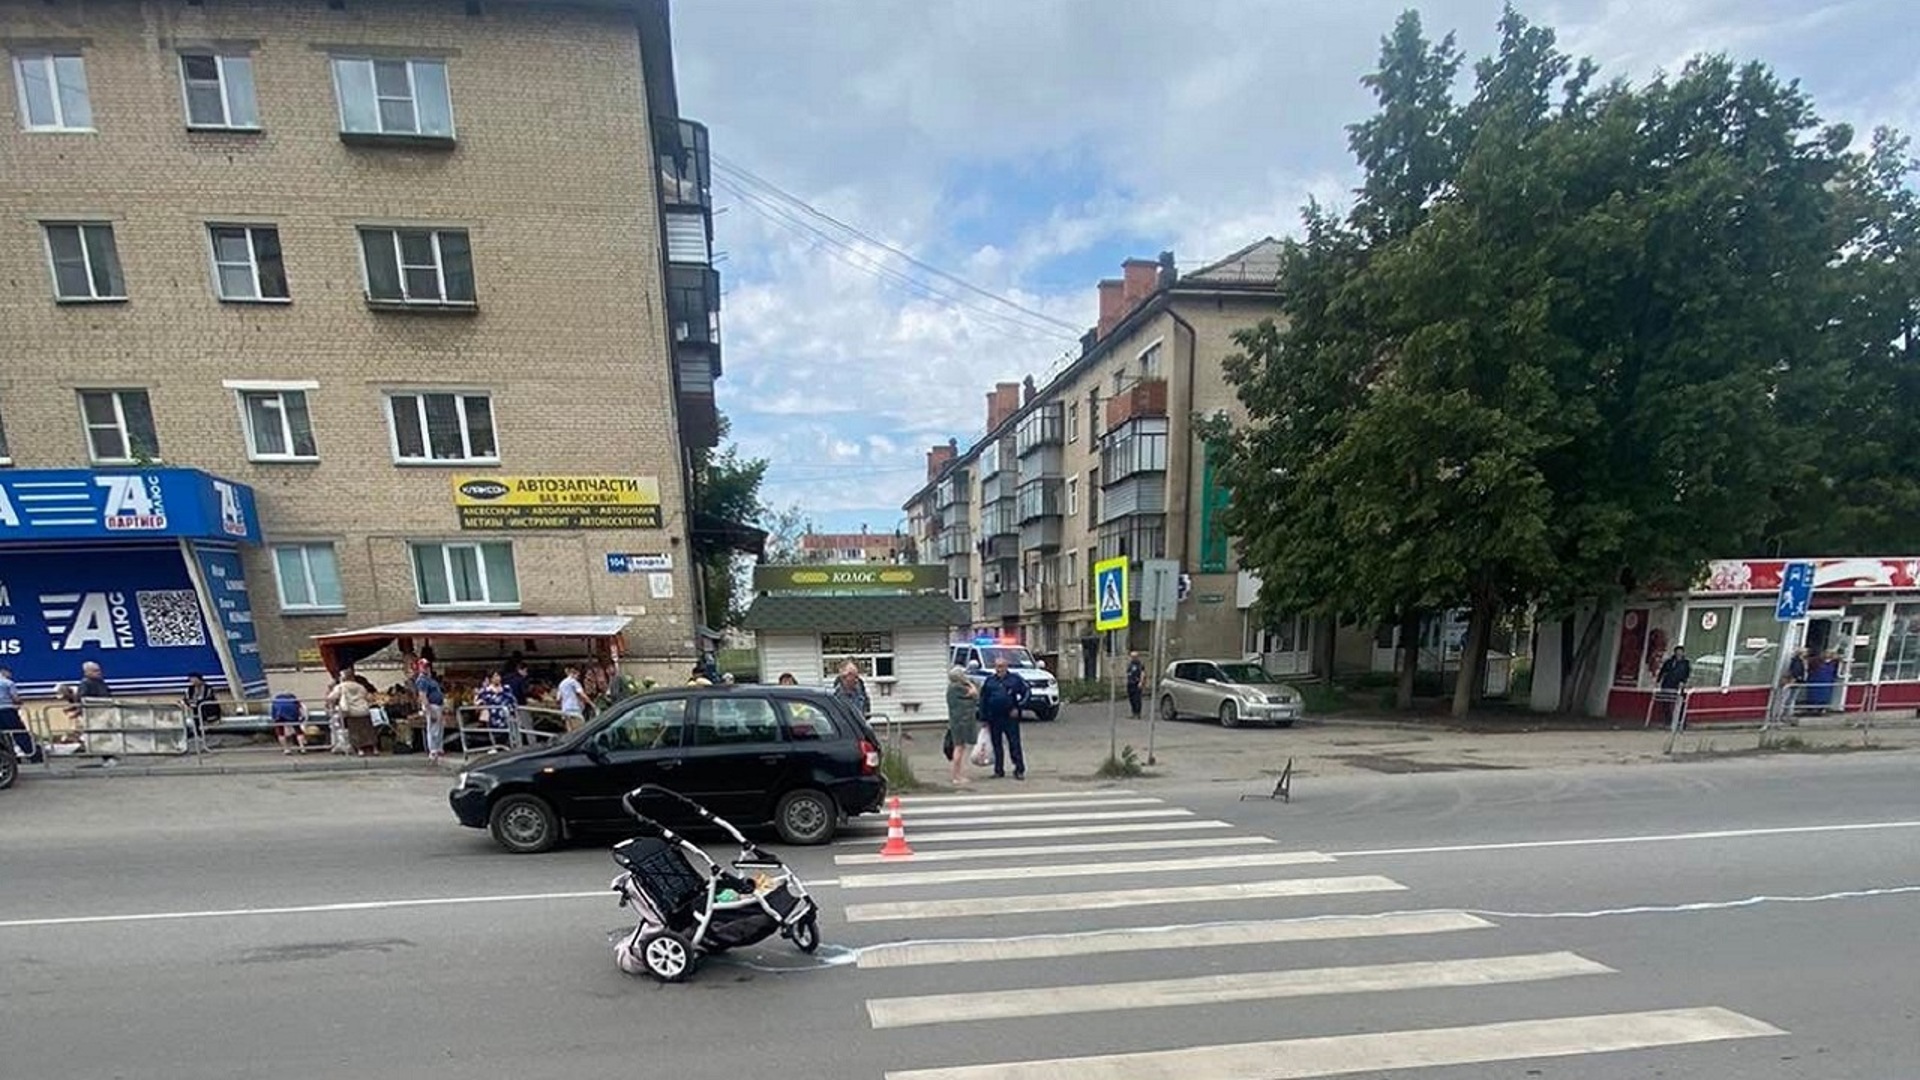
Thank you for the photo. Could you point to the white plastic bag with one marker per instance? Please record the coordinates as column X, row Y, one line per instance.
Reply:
column 983, row 748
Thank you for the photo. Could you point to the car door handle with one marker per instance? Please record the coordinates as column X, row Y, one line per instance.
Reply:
column 670, row 763
column 772, row 759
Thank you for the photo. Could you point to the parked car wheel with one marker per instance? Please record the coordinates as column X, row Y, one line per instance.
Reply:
column 1046, row 714
column 524, row 824
column 1229, row 714
column 806, row 816
column 1167, row 711
column 9, row 767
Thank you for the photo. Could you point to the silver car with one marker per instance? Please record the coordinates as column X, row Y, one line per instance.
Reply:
column 1234, row 691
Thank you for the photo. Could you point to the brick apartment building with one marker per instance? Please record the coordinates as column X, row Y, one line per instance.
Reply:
column 860, row 547
column 427, row 281
column 1104, row 461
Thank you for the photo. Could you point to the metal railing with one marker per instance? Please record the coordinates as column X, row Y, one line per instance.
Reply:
column 481, row 730
column 109, row 728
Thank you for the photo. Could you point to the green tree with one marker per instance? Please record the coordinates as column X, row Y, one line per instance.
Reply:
column 726, row 494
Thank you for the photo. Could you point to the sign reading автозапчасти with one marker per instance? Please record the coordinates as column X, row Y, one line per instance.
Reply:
column 557, row 502
column 831, row 578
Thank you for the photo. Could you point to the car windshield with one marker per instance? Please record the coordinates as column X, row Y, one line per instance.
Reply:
column 1015, row 656
column 1247, row 674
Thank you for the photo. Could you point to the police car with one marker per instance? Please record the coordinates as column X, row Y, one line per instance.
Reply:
column 979, row 655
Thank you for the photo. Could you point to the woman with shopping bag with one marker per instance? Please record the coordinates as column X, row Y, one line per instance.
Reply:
column 963, row 724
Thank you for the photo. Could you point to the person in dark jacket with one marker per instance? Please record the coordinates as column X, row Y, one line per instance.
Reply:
column 1675, row 674
column 1002, row 696
column 1136, row 683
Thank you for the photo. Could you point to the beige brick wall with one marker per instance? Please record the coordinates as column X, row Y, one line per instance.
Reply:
column 551, row 176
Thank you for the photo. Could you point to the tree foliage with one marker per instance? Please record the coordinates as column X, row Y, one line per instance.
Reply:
column 726, row 488
column 1575, row 339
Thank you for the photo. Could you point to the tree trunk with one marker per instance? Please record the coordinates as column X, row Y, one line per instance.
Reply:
column 1409, row 659
column 1325, row 645
column 1473, row 657
column 1577, row 681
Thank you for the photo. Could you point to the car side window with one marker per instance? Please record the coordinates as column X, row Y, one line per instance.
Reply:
column 652, row 726
column 807, row 722
column 731, row 721
column 1183, row 671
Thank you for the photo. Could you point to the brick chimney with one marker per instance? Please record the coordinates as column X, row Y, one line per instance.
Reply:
column 1111, row 307
column 1168, row 272
column 1140, row 276
column 1003, row 401
column 938, row 458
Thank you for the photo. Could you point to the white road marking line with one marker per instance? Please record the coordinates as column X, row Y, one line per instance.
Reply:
column 1102, row 869
column 1344, row 1055
column 1152, row 938
column 1658, row 838
column 1052, row 831
column 1214, row 989
column 1071, row 815
column 305, row 909
column 870, row 859
column 922, row 812
column 1118, row 898
column 1024, row 796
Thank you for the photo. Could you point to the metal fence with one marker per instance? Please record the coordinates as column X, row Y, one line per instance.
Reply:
column 110, row 728
column 483, row 729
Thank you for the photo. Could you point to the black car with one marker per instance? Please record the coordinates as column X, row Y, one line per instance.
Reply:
column 793, row 757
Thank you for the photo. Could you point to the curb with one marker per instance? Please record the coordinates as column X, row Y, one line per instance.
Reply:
column 101, row 772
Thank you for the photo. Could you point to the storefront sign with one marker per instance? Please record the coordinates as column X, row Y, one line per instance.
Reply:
column 142, row 504
column 226, row 580
column 628, row 563
column 1857, row 575
column 557, row 502
column 849, row 578
column 132, row 609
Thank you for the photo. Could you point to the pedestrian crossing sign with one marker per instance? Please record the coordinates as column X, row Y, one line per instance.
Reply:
column 1110, row 594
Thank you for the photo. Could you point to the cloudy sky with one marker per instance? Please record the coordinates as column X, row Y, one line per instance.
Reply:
column 1026, row 147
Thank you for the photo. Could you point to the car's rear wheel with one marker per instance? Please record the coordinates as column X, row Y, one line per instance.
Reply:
column 1229, row 714
column 524, row 824
column 1167, row 711
column 9, row 767
column 806, row 816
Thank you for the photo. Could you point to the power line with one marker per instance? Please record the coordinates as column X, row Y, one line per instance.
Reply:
column 781, row 193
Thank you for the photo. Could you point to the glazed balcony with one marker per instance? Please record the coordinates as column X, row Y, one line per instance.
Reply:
column 1148, row 397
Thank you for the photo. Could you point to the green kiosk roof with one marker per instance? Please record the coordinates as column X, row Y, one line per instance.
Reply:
column 776, row 613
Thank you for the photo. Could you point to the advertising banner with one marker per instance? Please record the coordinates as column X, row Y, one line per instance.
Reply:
column 850, row 578
column 226, row 579
column 132, row 504
column 131, row 609
column 557, row 502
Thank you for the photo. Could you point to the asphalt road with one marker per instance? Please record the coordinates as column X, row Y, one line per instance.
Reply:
column 1749, row 919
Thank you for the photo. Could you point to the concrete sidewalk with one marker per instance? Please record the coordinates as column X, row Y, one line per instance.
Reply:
column 237, row 761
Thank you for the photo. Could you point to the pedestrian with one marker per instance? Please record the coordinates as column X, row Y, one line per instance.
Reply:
column 11, row 721
column 202, row 707
column 93, row 682
column 288, row 716
column 1792, row 685
column 573, row 699
column 349, row 698
column 433, row 710
column 1675, row 672
column 787, row 679
column 1136, row 683
column 497, row 703
column 963, row 723
column 698, row 676
column 851, row 688
column 1002, row 696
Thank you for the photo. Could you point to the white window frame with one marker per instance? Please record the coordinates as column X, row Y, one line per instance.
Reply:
column 306, row 549
column 426, row 438
column 868, row 660
column 243, row 388
column 1073, row 496
column 441, row 299
column 412, row 98
column 119, row 419
column 1140, row 360
column 49, row 58
column 1073, row 421
column 446, row 548
column 53, row 268
column 960, row 588
column 252, row 264
column 220, row 61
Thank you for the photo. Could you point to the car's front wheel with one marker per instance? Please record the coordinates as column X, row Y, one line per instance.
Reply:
column 1167, row 711
column 9, row 767
column 806, row 816
column 1229, row 714
column 1046, row 713
column 524, row 824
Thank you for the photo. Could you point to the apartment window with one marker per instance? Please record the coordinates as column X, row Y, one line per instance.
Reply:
column 247, row 263
column 309, row 577
column 86, row 262
column 1093, row 498
column 393, row 98
column 53, row 92
column 119, row 425
column 465, row 575
column 442, row 427
column 960, row 587
column 1150, row 362
column 418, row 266
column 1073, row 568
column 872, row 653
column 1073, row 495
column 278, row 425
column 219, row 92
column 1073, row 421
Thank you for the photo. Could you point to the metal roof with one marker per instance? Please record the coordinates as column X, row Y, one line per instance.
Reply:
column 777, row 613
column 500, row 626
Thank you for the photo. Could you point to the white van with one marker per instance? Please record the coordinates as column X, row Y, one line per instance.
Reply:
column 979, row 656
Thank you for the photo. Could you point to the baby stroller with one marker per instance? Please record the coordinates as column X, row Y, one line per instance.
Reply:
column 691, row 906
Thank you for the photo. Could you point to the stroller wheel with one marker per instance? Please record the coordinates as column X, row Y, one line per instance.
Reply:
column 667, row 955
column 806, row 934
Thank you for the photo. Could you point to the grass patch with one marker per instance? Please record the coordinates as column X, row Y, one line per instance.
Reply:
column 898, row 771
column 1322, row 698
column 1082, row 691
column 1126, row 766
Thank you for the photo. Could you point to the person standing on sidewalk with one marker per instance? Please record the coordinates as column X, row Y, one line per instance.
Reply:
column 289, row 718
column 350, row 699
column 963, row 724
column 1791, row 686
column 12, row 724
column 851, row 687
column 1136, row 682
column 433, row 710
column 1675, row 673
column 1002, row 696
column 573, row 699
column 93, row 682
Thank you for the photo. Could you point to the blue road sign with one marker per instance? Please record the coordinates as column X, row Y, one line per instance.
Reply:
column 1110, row 592
column 1796, row 592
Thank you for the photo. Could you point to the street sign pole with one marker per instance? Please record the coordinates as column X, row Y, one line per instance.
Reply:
column 1113, row 704
column 1156, row 588
column 1790, row 610
column 1109, row 615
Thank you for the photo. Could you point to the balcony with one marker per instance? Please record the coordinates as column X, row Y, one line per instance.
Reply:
column 686, row 164
column 1044, row 596
column 1002, row 605
column 1043, row 427
column 953, row 543
column 999, row 547
column 1040, row 499
column 998, row 519
column 1135, row 538
column 997, row 486
column 952, row 491
column 1148, row 397
column 1041, row 534
column 1138, row 446
column 1145, row 493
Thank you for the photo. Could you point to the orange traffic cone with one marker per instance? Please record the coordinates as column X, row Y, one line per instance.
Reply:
column 896, row 844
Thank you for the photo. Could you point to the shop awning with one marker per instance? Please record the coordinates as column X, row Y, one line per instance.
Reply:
column 799, row 612
column 351, row 646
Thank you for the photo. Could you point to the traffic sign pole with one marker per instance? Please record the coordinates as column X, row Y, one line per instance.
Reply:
column 1109, row 615
column 1790, row 609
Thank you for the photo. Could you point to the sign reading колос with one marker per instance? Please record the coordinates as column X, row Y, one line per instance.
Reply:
column 835, row 578
column 557, row 502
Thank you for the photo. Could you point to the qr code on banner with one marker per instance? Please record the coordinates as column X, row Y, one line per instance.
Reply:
column 171, row 618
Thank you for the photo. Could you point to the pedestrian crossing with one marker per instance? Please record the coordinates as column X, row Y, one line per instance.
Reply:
column 993, row 877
